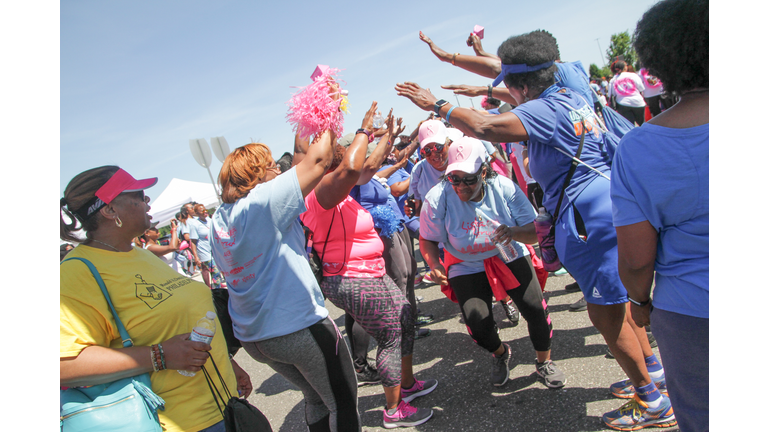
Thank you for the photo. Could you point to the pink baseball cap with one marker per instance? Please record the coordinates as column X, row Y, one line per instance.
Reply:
column 466, row 154
column 432, row 131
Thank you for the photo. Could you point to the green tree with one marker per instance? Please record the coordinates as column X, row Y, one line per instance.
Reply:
column 598, row 72
column 621, row 46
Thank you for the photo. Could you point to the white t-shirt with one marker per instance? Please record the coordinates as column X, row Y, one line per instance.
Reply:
column 628, row 89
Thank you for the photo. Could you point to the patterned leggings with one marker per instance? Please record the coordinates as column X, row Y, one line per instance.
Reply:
column 381, row 309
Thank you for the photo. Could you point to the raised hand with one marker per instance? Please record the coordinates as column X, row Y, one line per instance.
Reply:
column 436, row 50
column 467, row 90
column 368, row 118
column 422, row 98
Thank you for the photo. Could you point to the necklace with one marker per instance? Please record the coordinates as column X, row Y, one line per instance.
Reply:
column 105, row 244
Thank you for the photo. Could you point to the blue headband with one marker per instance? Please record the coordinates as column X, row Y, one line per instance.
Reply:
column 519, row 68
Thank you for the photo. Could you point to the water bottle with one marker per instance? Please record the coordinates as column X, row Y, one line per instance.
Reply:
column 506, row 252
column 378, row 121
column 203, row 331
column 543, row 224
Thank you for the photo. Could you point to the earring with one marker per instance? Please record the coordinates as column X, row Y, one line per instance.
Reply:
column 118, row 222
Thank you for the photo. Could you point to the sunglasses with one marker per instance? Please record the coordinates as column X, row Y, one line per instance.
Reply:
column 426, row 151
column 468, row 180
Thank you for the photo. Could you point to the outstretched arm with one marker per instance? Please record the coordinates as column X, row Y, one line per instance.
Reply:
column 505, row 127
column 489, row 67
column 499, row 93
column 476, row 45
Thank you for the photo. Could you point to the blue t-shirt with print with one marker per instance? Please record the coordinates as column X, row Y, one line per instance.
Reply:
column 258, row 244
column 661, row 175
column 465, row 228
column 553, row 121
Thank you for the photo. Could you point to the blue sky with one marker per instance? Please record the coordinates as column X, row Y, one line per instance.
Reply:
column 139, row 79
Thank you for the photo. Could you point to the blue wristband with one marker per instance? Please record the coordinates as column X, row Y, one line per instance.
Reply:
column 448, row 116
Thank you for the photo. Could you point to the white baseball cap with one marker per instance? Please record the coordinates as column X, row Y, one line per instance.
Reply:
column 466, row 154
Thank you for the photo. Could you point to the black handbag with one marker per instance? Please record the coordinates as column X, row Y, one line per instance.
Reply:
column 239, row 415
column 221, row 302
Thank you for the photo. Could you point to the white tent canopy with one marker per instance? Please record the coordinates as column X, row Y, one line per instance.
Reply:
column 178, row 193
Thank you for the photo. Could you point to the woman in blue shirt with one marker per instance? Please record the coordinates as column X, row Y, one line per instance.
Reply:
column 552, row 119
column 660, row 194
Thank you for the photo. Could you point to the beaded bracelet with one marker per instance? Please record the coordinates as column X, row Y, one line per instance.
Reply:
column 152, row 356
column 162, row 356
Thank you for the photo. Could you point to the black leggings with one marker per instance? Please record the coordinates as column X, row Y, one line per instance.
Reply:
column 633, row 114
column 476, row 300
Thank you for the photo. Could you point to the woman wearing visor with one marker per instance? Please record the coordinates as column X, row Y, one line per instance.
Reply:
column 553, row 119
column 469, row 211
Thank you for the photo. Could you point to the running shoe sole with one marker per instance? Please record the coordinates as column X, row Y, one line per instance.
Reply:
column 423, row 392
column 408, row 424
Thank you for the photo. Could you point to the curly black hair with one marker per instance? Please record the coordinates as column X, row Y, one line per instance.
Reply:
column 672, row 42
column 532, row 49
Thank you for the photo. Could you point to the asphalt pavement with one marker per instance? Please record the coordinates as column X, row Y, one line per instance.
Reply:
column 464, row 399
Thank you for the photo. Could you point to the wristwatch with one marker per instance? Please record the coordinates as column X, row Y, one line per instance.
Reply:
column 641, row 304
column 361, row 130
column 439, row 104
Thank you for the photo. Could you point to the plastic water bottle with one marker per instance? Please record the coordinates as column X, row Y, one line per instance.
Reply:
column 378, row 121
column 543, row 224
column 202, row 332
column 506, row 252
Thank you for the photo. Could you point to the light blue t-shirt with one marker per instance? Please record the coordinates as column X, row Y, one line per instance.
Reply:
column 553, row 121
column 423, row 177
column 661, row 175
column 464, row 227
column 258, row 244
column 200, row 232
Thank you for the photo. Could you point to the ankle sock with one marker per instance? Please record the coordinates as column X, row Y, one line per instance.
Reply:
column 655, row 369
column 650, row 395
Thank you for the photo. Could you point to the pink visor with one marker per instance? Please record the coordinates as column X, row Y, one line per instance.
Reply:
column 121, row 182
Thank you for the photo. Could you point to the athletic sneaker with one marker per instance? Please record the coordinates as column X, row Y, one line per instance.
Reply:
column 420, row 388
column 512, row 314
column 428, row 279
column 635, row 415
column 553, row 377
column 562, row 271
column 572, row 287
column 500, row 367
column 406, row 416
column 579, row 306
column 368, row 375
column 424, row 319
column 421, row 333
column 625, row 390
column 418, row 280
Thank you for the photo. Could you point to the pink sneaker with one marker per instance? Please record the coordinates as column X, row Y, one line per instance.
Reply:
column 406, row 416
column 420, row 388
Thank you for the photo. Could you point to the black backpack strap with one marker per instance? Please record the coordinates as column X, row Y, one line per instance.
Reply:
column 571, row 171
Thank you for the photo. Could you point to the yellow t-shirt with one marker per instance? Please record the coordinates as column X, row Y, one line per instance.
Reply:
column 154, row 303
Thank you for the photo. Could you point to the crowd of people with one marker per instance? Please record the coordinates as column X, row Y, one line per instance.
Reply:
column 337, row 220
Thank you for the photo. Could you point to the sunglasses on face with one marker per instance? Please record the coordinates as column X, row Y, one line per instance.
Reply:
column 468, row 180
column 426, row 151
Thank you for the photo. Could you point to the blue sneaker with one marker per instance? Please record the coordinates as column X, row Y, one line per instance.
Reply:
column 635, row 415
column 625, row 390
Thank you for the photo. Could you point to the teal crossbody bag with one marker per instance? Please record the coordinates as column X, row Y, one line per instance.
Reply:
column 125, row 405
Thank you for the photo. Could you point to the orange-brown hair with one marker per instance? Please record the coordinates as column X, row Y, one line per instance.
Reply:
column 242, row 170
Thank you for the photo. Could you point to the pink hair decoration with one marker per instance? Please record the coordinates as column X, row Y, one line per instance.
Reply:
column 312, row 110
